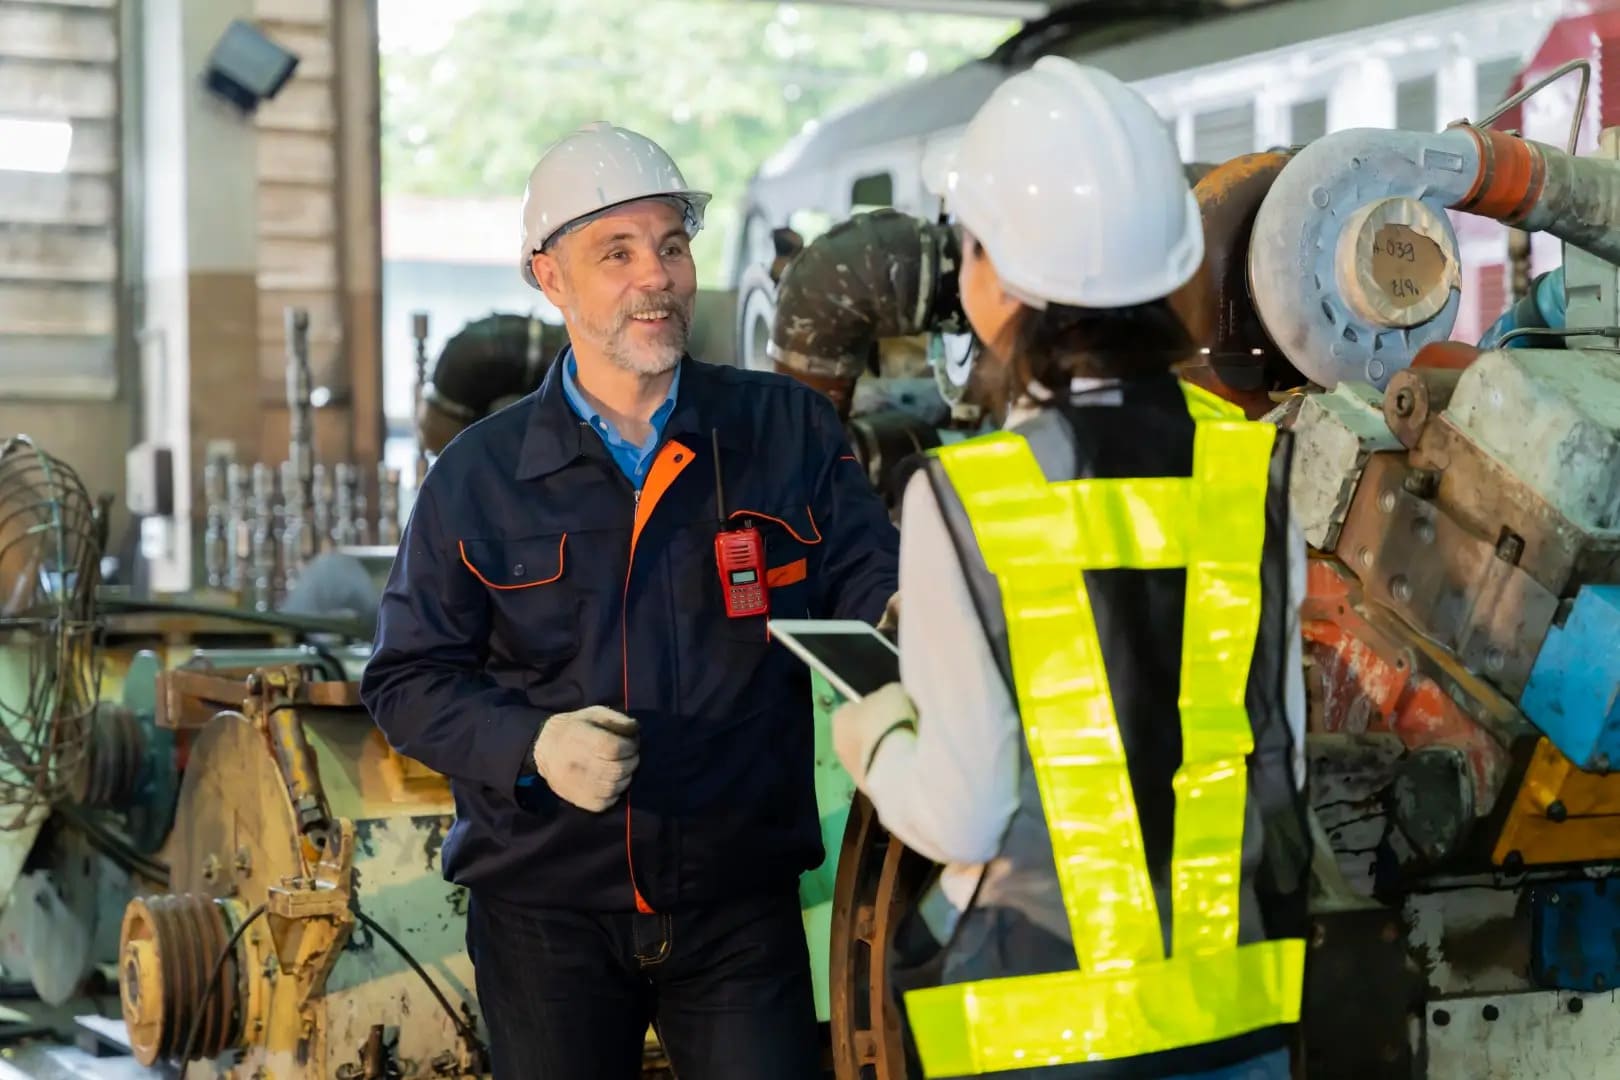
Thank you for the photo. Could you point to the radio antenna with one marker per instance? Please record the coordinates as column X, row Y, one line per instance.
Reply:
column 719, row 484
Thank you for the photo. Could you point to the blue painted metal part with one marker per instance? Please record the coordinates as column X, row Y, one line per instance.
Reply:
column 157, row 788
column 1575, row 935
column 1574, row 690
column 1544, row 307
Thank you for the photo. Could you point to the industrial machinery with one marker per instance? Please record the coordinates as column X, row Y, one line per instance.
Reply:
column 488, row 364
column 855, row 316
column 267, row 524
column 306, row 931
column 50, row 551
column 50, row 640
column 1463, row 510
column 229, row 836
column 1460, row 626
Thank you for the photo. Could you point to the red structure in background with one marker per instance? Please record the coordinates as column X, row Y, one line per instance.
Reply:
column 1594, row 37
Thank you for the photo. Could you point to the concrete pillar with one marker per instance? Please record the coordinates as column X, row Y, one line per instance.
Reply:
column 1362, row 96
column 198, row 324
column 1272, row 119
column 1457, row 91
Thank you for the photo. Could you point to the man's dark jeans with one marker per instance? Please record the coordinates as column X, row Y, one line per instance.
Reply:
column 569, row 994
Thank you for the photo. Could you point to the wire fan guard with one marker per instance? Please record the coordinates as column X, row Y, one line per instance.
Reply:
column 50, row 638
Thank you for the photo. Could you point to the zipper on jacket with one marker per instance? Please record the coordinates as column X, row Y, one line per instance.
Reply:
column 624, row 649
column 679, row 457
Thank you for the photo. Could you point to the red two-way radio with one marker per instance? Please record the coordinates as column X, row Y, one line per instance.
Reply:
column 739, row 555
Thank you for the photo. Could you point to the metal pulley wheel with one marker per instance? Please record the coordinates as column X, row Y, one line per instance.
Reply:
column 951, row 357
column 111, row 769
column 878, row 879
column 882, row 441
column 756, row 311
column 167, row 953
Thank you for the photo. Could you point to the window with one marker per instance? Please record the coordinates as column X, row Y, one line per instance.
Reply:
column 809, row 224
column 1493, row 81
column 1416, row 105
column 872, row 192
column 1307, row 121
column 60, row 198
column 1223, row 134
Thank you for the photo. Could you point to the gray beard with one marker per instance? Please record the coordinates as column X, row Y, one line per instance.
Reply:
column 645, row 361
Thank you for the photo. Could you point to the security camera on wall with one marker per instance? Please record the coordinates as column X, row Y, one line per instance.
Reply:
column 247, row 68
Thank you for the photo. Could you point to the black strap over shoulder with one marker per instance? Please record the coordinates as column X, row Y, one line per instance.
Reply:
column 1141, row 428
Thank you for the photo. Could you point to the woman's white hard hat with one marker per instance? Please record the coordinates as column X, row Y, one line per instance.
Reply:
column 1074, row 186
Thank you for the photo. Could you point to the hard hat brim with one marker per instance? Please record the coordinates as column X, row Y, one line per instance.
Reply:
column 694, row 204
column 939, row 172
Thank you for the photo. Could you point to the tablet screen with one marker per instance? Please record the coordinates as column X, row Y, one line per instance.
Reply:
column 862, row 662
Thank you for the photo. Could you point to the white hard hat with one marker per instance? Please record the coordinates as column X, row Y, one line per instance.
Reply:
column 593, row 169
column 1074, row 186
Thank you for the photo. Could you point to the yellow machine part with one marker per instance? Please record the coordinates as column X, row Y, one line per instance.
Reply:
column 317, row 995
column 1561, row 813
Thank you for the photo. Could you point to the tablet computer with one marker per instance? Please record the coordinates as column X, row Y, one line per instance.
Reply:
column 854, row 657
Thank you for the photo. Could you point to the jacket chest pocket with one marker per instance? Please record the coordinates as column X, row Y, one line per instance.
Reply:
column 788, row 539
column 534, row 607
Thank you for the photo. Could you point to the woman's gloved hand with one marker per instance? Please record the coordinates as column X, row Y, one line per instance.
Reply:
column 588, row 756
column 889, row 624
column 859, row 727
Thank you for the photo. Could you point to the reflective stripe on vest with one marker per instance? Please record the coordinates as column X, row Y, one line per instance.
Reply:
column 1128, row 998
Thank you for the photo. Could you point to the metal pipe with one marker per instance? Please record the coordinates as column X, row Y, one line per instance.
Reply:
column 301, row 437
column 216, row 539
column 344, row 533
column 387, row 505
column 323, row 508
column 239, row 492
column 264, row 537
column 487, row 364
column 1539, row 188
column 361, row 509
column 292, row 524
column 419, row 331
column 1320, row 263
column 877, row 275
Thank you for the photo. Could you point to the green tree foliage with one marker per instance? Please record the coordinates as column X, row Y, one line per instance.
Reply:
column 721, row 84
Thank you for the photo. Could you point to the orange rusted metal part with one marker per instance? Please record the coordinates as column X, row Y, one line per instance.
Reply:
column 1216, row 305
column 1254, row 403
column 840, row 389
column 1445, row 355
column 189, row 699
column 1561, row 813
column 1512, row 174
column 1368, row 679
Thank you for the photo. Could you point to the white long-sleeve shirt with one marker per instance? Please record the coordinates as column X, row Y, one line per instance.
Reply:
column 949, row 790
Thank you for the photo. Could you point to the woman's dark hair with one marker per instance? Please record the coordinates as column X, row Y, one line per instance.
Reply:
column 1053, row 345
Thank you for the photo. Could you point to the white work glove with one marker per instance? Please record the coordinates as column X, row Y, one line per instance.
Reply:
column 859, row 726
column 890, row 622
column 588, row 756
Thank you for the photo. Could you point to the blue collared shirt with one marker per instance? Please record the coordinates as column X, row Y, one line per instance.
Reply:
column 632, row 459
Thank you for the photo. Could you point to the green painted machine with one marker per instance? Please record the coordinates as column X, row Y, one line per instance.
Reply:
column 834, row 793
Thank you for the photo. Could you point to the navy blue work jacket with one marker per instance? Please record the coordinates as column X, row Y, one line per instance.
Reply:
column 533, row 580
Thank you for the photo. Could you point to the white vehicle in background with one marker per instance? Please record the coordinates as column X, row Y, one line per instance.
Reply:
column 1229, row 78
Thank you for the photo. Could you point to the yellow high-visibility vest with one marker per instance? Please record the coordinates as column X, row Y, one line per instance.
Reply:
column 1128, row 997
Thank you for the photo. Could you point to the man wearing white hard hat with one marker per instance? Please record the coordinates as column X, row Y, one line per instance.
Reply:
column 575, row 633
column 1101, row 698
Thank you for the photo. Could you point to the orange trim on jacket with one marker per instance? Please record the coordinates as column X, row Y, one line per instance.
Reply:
column 790, row 574
column 808, row 512
column 671, row 460
column 461, row 546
